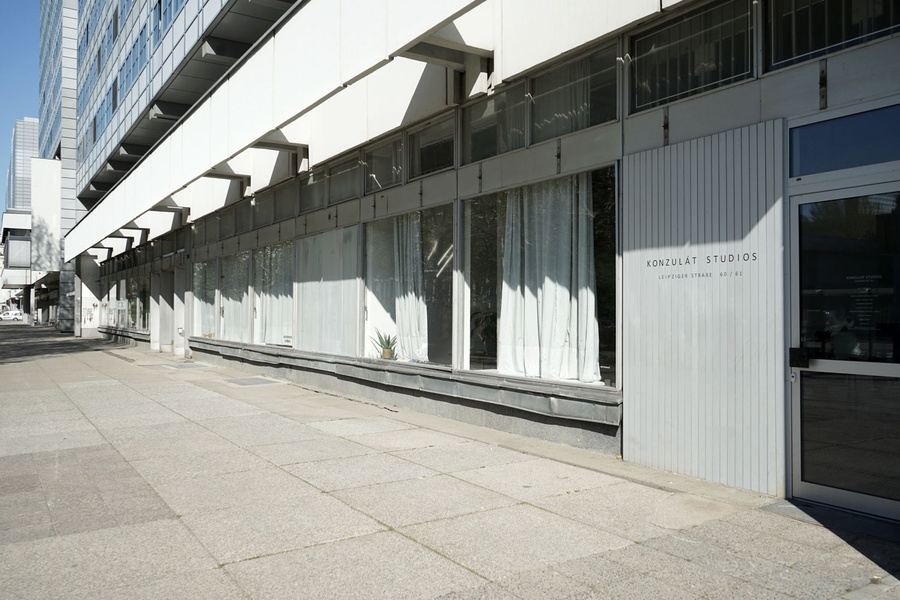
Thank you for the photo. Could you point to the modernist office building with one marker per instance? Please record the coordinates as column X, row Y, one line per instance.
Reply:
column 15, row 230
column 668, row 228
column 141, row 65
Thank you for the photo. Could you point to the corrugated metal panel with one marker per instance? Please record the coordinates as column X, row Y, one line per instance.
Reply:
column 703, row 340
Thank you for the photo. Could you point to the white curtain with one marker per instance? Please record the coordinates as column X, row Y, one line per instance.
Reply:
column 548, row 326
column 327, row 292
column 273, row 285
column 236, row 297
column 409, row 297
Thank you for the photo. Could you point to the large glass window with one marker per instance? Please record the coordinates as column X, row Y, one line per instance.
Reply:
column 865, row 138
column 235, row 286
column 273, row 288
column 802, row 29
column 312, row 192
column 575, row 96
column 849, row 260
column 328, row 292
column 409, row 281
column 204, row 300
column 542, row 280
column 384, row 166
column 344, row 181
column 698, row 52
column 431, row 149
column 494, row 125
column 138, row 297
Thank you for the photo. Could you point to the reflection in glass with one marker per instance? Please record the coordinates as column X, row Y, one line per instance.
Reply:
column 849, row 259
column 138, row 297
column 409, row 281
column 204, row 302
column 542, row 280
column 494, row 125
column 343, row 181
column 327, row 292
column 236, row 298
column 849, row 428
column 431, row 149
column 273, row 287
column 384, row 166
column 865, row 138
column 702, row 51
column 575, row 96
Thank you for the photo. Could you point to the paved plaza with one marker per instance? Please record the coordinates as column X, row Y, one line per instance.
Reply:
column 131, row 474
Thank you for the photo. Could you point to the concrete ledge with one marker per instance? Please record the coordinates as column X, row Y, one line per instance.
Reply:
column 576, row 415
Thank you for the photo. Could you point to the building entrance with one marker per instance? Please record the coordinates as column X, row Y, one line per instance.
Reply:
column 845, row 348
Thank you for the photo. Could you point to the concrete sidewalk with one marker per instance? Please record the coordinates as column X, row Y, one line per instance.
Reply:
column 129, row 474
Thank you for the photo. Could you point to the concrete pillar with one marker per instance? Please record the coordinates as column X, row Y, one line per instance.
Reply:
column 178, row 310
column 167, row 311
column 86, row 298
column 162, row 319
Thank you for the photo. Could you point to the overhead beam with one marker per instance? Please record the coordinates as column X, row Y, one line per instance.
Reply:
column 276, row 4
column 130, row 152
column 168, row 111
column 437, row 55
column 222, row 51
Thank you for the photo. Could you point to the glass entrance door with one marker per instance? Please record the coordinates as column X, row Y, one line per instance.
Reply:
column 845, row 365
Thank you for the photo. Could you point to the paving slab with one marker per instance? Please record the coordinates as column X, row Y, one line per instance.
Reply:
column 413, row 501
column 131, row 474
column 254, row 530
column 536, row 479
column 504, row 541
column 382, row 565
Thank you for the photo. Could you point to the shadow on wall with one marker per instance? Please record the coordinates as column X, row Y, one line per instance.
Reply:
column 46, row 248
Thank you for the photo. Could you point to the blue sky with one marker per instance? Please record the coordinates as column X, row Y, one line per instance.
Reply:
column 19, row 24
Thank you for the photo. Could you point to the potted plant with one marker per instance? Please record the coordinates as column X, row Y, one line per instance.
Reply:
column 385, row 344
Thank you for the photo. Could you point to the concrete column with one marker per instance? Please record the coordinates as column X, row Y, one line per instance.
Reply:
column 85, row 273
column 178, row 310
column 154, row 311
column 166, row 311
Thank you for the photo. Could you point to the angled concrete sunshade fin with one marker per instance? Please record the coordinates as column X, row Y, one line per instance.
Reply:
column 251, row 90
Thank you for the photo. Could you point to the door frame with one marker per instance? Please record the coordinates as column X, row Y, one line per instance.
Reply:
column 809, row 190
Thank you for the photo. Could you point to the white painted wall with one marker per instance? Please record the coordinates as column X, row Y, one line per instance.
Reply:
column 46, row 201
column 703, row 342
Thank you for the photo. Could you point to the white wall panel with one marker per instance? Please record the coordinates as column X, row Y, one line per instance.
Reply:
column 864, row 73
column 338, row 123
column 196, row 139
column 359, row 59
column 730, row 107
column 703, row 341
column 219, row 133
column 250, row 107
column 791, row 91
column 535, row 31
column 420, row 17
column 310, row 40
column 46, row 200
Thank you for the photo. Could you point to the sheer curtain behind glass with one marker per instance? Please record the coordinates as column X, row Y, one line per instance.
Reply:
column 273, row 284
column 204, row 291
column 235, row 297
column 327, row 292
column 548, row 324
column 395, row 299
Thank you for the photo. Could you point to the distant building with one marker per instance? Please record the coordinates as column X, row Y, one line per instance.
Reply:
column 667, row 230
column 23, row 147
column 15, row 223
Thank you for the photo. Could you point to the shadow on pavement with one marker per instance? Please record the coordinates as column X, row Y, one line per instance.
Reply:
column 21, row 343
column 876, row 539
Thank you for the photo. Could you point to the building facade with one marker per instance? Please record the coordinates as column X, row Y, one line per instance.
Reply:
column 15, row 229
column 23, row 147
column 666, row 230
column 141, row 65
